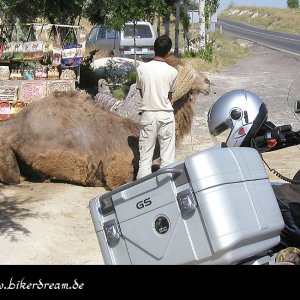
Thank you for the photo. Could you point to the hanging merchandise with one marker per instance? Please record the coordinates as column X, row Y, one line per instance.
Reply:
column 17, row 51
column 6, row 53
column 33, row 50
column 72, row 55
column 56, row 55
column 52, row 46
column 2, row 43
column 16, row 46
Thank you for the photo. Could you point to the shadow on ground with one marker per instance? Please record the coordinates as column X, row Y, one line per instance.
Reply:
column 11, row 213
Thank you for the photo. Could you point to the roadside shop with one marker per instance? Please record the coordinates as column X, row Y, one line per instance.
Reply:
column 33, row 65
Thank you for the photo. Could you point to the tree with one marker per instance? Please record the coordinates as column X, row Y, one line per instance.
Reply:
column 52, row 11
column 293, row 3
column 211, row 7
column 177, row 22
column 206, row 9
column 202, row 23
column 185, row 21
column 121, row 12
column 170, row 4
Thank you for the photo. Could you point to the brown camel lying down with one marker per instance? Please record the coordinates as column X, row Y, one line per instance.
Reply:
column 68, row 137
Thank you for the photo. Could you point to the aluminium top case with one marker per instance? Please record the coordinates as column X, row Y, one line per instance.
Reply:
column 215, row 207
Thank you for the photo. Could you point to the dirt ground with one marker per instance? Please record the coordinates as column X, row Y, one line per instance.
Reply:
column 50, row 223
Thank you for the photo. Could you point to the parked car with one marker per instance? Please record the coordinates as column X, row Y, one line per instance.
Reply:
column 122, row 42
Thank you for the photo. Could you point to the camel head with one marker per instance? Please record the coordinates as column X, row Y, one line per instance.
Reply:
column 189, row 80
column 201, row 84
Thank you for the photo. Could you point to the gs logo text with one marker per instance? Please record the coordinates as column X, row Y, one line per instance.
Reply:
column 143, row 203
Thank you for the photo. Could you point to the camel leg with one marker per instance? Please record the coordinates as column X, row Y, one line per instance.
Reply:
column 118, row 171
column 9, row 169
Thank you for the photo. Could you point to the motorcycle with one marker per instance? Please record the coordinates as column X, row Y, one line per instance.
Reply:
column 265, row 136
column 215, row 207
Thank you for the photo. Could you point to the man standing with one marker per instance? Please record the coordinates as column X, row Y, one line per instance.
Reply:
column 156, row 83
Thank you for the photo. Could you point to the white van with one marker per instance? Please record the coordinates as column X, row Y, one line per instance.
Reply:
column 122, row 42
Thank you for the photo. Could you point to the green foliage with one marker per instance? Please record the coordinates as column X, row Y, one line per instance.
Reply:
column 131, row 78
column 194, row 5
column 88, row 78
column 211, row 6
column 121, row 12
column 184, row 18
column 118, row 93
column 205, row 54
column 113, row 77
column 54, row 11
column 293, row 3
column 119, row 82
column 96, row 10
column 110, row 74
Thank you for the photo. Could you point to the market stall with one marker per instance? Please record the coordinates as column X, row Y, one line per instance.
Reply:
column 41, row 64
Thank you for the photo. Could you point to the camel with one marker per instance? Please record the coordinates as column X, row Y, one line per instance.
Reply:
column 68, row 137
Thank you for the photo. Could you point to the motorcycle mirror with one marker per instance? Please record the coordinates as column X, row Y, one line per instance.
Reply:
column 297, row 107
column 293, row 100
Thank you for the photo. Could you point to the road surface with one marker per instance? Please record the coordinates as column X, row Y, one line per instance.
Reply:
column 289, row 43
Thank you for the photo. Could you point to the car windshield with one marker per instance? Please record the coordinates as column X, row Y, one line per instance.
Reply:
column 111, row 34
column 93, row 33
column 101, row 34
column 142, row 31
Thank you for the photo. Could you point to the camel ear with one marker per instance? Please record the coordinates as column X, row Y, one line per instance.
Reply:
column 9, row 169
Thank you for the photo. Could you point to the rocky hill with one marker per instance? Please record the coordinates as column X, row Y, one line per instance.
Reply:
column 277, row 19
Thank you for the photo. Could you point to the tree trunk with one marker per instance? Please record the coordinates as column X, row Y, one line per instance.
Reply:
column 186, row 27
column 177, row 22
column 167, row 24
column 158, row 25
column 134, row 42
column 208, row 24
column 202, row 23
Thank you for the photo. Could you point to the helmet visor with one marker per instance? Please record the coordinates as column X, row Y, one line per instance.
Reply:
column 222, row 132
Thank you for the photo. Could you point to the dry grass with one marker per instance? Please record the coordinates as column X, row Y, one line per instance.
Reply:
column 278, row 19
column 226, row 53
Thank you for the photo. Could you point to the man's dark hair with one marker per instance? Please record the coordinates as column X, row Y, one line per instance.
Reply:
column 162, row 46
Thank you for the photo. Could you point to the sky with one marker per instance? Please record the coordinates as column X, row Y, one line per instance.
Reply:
column 272, row 3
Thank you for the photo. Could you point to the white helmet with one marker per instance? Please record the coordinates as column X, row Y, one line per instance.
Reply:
column 236, row 117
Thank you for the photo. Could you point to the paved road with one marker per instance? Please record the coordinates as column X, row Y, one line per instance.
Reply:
column 267, row 73
column 289, row 43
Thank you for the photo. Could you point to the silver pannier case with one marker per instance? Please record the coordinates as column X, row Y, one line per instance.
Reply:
column 215, row 207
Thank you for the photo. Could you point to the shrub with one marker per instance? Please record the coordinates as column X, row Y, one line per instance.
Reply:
column 293, row 3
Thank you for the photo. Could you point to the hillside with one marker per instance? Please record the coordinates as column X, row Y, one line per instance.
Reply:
column 277, row 19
